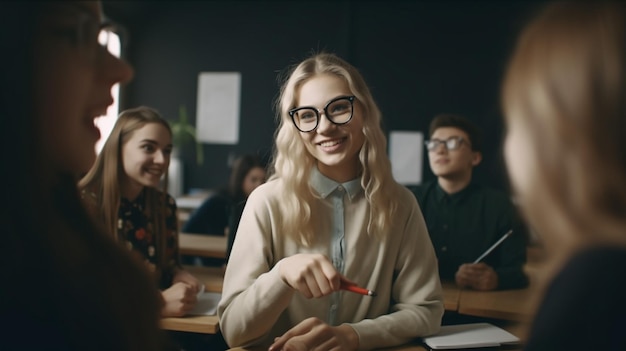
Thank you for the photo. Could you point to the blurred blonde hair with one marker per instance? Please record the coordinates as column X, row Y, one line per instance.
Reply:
column 566, row 86
column 292, row 163
column 105, row 176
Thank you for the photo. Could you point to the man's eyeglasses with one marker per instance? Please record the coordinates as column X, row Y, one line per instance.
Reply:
column 452, row 143
column 338, row 110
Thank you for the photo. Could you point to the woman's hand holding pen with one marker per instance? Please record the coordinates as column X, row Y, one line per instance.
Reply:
column 179, row 299
column 313, row 275
column 478, row 276
column 313, row 334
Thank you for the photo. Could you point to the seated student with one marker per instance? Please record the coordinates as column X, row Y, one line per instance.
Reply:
column 564, row 98
column 66, row 285
column 248, row 173
column 212, row 216
column 330, row 216
column 465, row 218
column 220, row 212
column 122, row 190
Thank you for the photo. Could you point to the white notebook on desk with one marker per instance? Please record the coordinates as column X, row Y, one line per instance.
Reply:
column 469, row 336
column 206, row 305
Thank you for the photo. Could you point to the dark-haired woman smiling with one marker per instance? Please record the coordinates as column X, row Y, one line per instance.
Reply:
column 66, row 285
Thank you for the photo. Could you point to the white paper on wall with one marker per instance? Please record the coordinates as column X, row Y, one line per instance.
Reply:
column 406, row 150
column 217, row 120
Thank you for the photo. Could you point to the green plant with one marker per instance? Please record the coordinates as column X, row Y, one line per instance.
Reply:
column 183, row 132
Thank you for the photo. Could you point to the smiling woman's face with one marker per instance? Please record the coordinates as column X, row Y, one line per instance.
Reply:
column 145, row 158
column 335, row 147
column 74, row 76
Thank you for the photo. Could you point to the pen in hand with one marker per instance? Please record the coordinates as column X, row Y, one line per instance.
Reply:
column 493, row 246
column 356, row 289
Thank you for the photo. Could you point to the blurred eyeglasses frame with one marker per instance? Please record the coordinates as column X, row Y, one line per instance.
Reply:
column 452, row 143
column 329, row 116
column 89, row 33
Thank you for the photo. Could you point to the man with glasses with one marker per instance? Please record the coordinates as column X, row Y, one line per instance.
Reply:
column 464, row 218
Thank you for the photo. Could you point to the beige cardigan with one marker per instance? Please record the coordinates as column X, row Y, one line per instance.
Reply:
column 257, row 305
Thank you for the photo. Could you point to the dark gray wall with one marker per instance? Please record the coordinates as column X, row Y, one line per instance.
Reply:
column 419, row 58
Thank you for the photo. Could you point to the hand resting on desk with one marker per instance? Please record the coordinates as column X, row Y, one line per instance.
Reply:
column 182, row 296
column 179, row 299
column 314, row 334
column 182, row 276
column 478, row 276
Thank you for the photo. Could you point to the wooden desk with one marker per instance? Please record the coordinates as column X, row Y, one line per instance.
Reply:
column 514, row 329
column 451, row 296
column 414, row 346
column 512, row 305
column 212, row 277
column 190, row 202
column 517, row 305
column 194, row 324
column 407, row 347
column 202, row 245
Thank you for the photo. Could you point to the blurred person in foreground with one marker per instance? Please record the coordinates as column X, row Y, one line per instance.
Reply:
column 564, row 98
column 66, row 285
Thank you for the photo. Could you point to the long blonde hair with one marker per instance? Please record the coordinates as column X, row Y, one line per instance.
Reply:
column 105, row 176
column 292, row 163
column 566, row 85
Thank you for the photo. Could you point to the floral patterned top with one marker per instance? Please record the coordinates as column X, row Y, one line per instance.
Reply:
column 136, row 231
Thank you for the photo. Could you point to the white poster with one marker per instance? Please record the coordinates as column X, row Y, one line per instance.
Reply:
column 406, row 150
column 217, row 121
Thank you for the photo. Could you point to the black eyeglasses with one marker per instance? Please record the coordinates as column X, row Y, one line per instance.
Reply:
column 338, row 110
column 452, row 143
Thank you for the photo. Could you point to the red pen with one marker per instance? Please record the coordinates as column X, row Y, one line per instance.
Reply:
column 356, row 289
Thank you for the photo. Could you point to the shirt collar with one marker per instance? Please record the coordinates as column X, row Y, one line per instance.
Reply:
column 138, row 201
column 325, row 186
column 456, row 197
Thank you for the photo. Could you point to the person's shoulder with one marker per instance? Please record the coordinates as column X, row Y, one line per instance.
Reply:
column 599, row 258
column 269, row 189
column 592, row 268
column 266, row 195
column 222, row 194
column 404, row 196
column 405, row 191
column 216, row 198
column 492, row 194
column 421, row 191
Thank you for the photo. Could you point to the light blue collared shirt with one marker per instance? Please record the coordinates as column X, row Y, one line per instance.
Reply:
column 336, row 193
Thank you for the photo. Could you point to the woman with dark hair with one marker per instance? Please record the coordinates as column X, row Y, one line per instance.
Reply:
column 212, row 216
column 67, row 285
column 219, row 214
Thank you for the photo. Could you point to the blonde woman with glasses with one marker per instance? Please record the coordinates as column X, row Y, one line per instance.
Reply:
column 330, row 219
